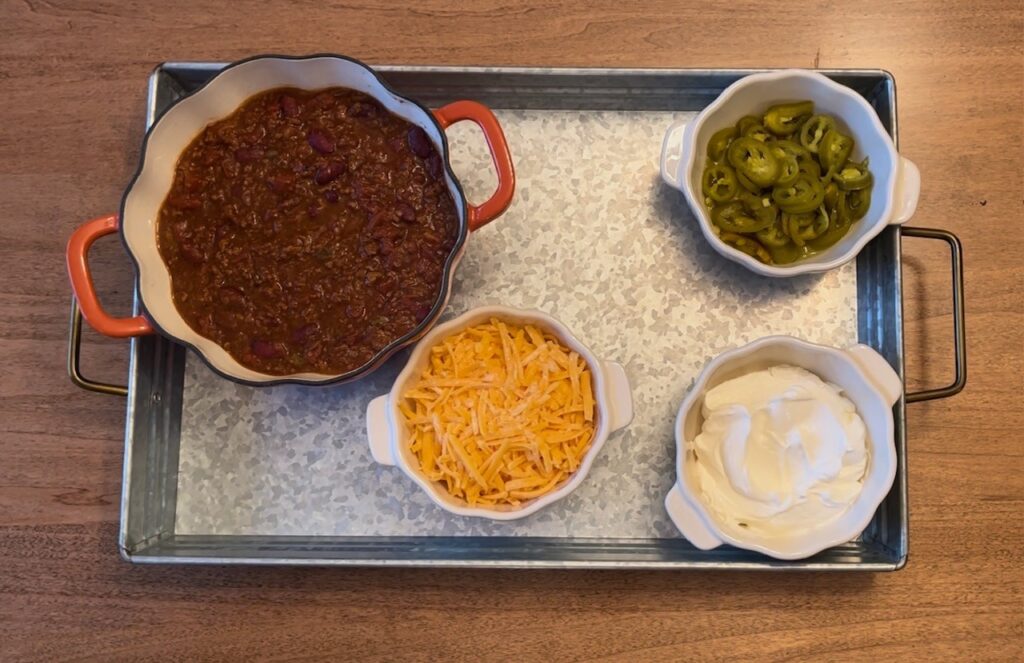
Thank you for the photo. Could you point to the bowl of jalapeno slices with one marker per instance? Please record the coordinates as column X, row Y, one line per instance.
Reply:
column 789, row 172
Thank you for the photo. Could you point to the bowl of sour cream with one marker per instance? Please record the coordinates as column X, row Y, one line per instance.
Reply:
column 784, row 447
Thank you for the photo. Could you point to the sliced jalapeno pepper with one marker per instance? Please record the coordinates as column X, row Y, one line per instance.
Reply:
column 831, row 195
column 785, row 119
column 773, row 236
column 747, row 245
column 856, row 203
column 841, row 210
column 834, row 150
column 794, row 224
column 745, row 123
column 758, row 132
column 720, row 142
column 754, row 160
column 802, row 196
column 837, row 229
column 789, row 169
column 818, row 227
column 853, row 176
column 760, row 206
column 719, row 182
column 792, row 148
column 814, row 130
column 786, row 254
column 809, row 166
column 802, row 228
column 747, row 184
column 733, row 217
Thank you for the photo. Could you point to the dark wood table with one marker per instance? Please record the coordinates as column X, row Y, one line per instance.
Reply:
column 73, row 78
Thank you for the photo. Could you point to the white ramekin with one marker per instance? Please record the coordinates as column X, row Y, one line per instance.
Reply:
column 865, row 378
column 388, row 434
column 897, row 180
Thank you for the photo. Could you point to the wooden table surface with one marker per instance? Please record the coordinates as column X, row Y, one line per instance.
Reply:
column 73, row 78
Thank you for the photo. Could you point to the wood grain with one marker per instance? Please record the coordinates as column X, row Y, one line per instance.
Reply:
column 73, row 80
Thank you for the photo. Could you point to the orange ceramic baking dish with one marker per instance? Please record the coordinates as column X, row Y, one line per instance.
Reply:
column 173, row 132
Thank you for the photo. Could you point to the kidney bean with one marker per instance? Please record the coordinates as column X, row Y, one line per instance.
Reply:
column 264, row 349
column 419, row 142
column 434, row 166
column 406, row 212
column 289, row 106
column 331, row 196
column 330, row 172
column 320, row 141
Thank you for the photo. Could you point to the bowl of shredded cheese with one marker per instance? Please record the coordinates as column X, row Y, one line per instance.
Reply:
column 498, row 413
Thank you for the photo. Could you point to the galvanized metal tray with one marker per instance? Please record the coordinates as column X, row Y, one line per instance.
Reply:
column 190, row 435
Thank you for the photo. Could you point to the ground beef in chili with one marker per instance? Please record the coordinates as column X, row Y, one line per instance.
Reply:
column 307, row 231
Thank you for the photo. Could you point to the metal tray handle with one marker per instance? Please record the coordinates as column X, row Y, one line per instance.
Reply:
column 959, row 321
column 74, row 356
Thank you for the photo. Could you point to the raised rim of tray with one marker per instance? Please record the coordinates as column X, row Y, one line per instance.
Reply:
column 156, row 370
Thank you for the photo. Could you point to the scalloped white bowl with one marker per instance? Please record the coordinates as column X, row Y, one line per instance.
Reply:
column 388, row 435
column 897, row 180
column 865, row 378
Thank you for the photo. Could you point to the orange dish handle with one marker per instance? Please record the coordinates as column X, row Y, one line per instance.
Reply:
column 85, row 291
column 481, row 215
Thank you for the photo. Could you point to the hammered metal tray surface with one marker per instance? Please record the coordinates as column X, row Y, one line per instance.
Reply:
column 594, row 238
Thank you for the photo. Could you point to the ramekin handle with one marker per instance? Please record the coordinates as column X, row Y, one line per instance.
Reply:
column 620, row 396
column 908, row 191
column 878, row 371
column 672, row 153
column 689, row 522
column 378, row 430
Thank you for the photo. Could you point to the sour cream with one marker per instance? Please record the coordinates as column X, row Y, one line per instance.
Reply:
column 780, row 452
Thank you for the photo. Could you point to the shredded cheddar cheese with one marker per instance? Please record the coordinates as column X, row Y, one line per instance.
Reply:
column 501, row 414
